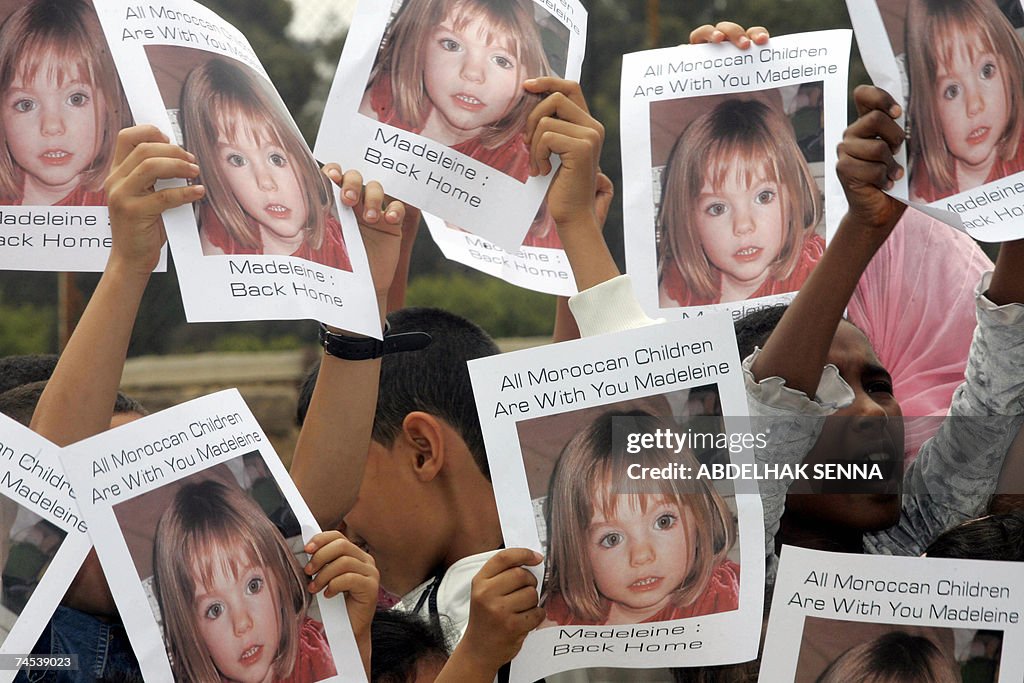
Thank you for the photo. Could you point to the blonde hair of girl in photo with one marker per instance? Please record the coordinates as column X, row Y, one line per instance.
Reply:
column 265, row 192
column 895, row 657
column 62, row 106
column 623, row 552
column 232, row 595
column 452, row 71
column 966, row 66
column 739, row 207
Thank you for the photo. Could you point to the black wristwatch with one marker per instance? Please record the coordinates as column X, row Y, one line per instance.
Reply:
column 365, row 348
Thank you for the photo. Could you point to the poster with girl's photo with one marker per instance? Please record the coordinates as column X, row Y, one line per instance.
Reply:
column 270, row 240
column 539, row 264
column 650, row 561
column 428, row 99
column 727, row 158
column 43, row 539
column 62, row 109
column 200, row 532
column 956, row 69
column 837, row 617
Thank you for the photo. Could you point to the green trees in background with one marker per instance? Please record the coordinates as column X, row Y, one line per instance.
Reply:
column 25, row 328
column 498, row 307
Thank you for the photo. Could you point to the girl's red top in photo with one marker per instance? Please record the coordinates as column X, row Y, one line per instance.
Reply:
column 923, row 190
column 814, row 246
column 511, row 158
column 77, row 197
column 331, row 253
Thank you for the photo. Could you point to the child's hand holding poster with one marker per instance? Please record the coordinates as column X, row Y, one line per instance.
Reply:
column 539, row 264
column 200, row 532
column 43, row 541
column 604, row 449
column 62, row 109
column 838, row 617
column 270, row 240
column 956, row 68
column 727, row 156
column 429, row 99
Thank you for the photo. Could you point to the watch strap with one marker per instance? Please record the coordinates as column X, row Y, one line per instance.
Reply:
column 366, row 348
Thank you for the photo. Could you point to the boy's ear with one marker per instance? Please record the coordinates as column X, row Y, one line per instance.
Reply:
column 424, row 436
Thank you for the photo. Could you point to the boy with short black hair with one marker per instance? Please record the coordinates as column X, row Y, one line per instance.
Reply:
column 425, row 508
column 438, row 372
column 16, row 371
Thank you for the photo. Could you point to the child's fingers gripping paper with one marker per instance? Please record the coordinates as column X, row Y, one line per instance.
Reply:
column 507, row 572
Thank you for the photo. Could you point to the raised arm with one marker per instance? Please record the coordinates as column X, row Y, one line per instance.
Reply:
column 399, row 285
column 79, row 399
column 797, row 349
column 565, row 327
column 1007, row 286
column 578, row 200
column 330, row 454
column 581, row 224
column 561, row 124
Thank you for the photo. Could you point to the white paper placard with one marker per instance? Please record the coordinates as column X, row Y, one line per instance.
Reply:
column 271, row 239
column 462, row 156
column 540, row 268
column 966, row 168
column 57, row 145
column 829, row 609
column 704, row 230
column 533, row 403
column 43, row 537
column 151, row 488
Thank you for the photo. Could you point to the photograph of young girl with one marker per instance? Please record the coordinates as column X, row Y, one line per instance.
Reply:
column 215, row 553
column 622, row 550
column 62, row 104
column 963, row 63
column 739, row 209
column 265, row 193
column 452, row 71
column 836, row 651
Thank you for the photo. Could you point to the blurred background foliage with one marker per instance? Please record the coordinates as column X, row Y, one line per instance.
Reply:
column 302, row 69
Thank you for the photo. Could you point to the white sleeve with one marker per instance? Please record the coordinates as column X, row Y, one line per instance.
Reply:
column 608, row 307
column 791, row 422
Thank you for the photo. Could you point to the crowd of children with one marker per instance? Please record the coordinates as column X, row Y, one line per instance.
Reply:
column 391, row 459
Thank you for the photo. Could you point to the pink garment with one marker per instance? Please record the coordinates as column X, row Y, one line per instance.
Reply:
column 314, row 662
column 915, row 303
